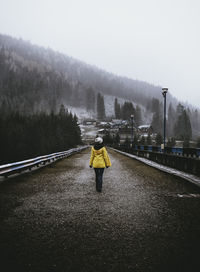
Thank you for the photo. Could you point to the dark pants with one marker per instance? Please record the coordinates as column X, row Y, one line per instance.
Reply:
column 99, row 178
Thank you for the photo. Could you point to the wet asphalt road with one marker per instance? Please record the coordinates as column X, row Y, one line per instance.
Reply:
column 144, row 220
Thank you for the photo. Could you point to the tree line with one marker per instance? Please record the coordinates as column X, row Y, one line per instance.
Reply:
column 34, row 79
column 182, row 123
column 127, row 109
column 27, row 136
column 178, row 125
column 31, row 86
column 78, row 75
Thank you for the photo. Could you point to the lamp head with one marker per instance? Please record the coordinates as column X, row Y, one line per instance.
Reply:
column 164, row 91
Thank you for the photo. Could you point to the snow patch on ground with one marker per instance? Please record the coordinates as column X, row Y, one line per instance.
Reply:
column 81, row 113
column 109, row 101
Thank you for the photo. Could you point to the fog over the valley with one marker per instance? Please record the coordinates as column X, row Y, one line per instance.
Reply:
column 156, row 41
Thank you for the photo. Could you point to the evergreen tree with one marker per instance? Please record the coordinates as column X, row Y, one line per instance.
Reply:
column 135, row 139
column 138, row 116
column 62, row 110
column 171, row 120
column 195, row 121
column 108, row 139
column 142, row 141
column 149, row 141
column 157, row 121
column 179, row 109
column 198, row 142
column 182, row 128
column 26, row 136
column 117, row 139
column 76, row 130
column 100, row 107
column 127, row 142
column 155, row 105
column 117, row 109
column 127, row 110
column 159, row 139
column 90, row 99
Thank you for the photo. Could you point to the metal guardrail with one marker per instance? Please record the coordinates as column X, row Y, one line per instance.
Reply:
column 17, row 167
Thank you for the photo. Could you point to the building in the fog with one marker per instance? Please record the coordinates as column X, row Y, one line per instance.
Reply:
column 145, row 130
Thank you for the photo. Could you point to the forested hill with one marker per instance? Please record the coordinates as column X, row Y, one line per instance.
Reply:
column 37, row 85
column 33, row 78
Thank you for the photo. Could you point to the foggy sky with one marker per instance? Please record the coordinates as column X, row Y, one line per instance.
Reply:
column 157, row 41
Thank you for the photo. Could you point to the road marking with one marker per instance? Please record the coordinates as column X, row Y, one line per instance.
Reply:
column 188, row 195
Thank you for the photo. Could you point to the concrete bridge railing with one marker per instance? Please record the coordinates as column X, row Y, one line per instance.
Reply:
column 184, row 159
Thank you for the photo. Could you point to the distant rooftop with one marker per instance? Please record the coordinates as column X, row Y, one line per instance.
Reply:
column 144, row 126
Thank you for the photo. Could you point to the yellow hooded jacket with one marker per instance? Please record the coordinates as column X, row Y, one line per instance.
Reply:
column 99, row 158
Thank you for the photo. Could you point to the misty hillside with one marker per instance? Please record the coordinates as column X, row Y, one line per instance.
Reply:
column 43, row 79
column 34, row 79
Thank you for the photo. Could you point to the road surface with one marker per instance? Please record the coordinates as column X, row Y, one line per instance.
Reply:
column 54, row 220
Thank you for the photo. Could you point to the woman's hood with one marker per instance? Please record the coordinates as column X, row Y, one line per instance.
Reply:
column 98, row 146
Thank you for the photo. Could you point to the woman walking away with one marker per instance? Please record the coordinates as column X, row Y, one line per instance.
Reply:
column 99, row 160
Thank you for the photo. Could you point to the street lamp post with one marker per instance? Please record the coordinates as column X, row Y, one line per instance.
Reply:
column 131, row 130
column 164, row 93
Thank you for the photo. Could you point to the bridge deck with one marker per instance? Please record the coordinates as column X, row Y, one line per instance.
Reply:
column 144, row 220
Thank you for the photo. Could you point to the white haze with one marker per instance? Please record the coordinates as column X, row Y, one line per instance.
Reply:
column 156, row 41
